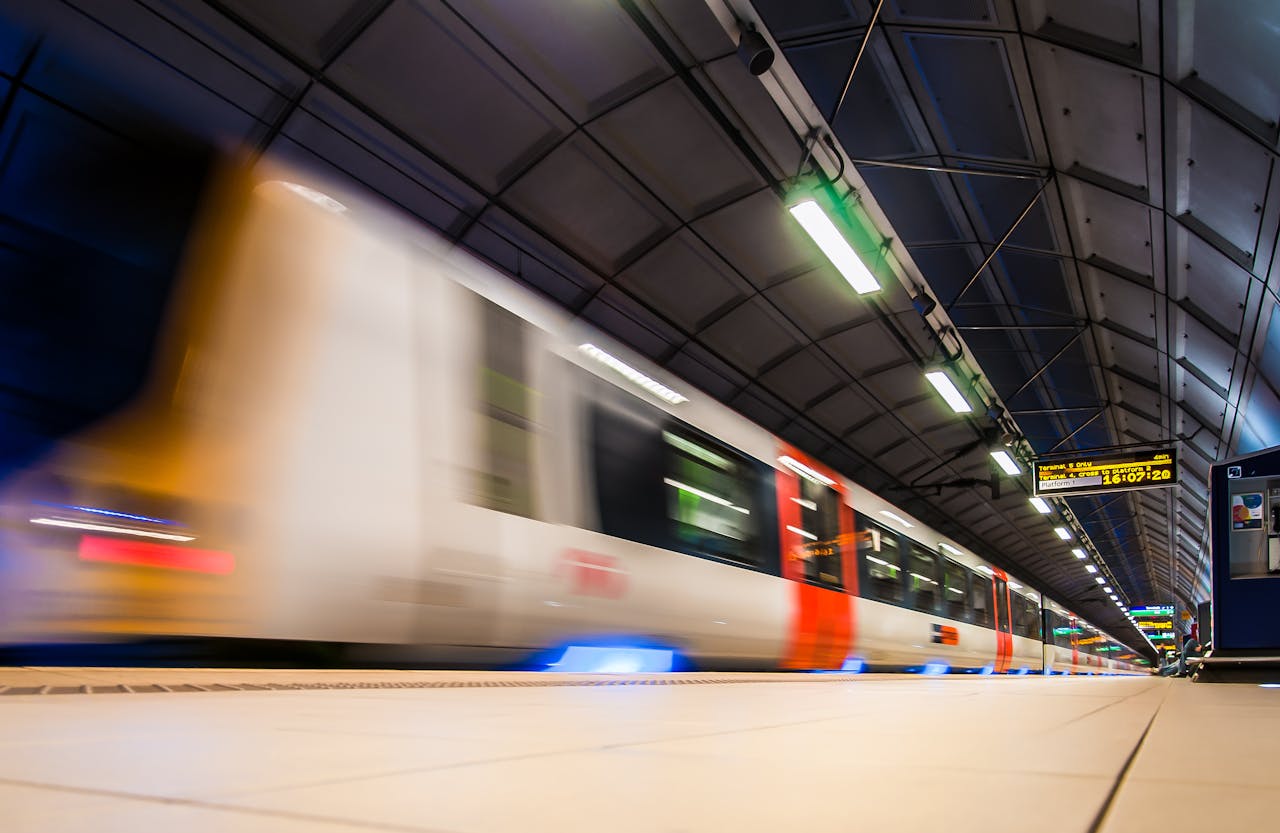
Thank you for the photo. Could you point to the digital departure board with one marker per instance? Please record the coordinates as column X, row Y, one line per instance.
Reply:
column 1112, row 473
column 1156, row 621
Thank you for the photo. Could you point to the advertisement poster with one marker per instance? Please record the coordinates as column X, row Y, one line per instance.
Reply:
column 1246, row 511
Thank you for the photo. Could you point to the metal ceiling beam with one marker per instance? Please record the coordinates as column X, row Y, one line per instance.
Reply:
column 848, row 82
column 978, row 272
column 1044, row 367
column 1080, row 428
column 942, row 169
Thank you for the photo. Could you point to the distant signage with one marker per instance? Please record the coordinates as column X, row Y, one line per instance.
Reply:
column 1156, row 621
column 1117, row 472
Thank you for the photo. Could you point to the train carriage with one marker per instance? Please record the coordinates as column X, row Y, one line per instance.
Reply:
column 356, row 434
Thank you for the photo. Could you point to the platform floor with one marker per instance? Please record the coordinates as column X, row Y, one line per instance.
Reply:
column 252, row 750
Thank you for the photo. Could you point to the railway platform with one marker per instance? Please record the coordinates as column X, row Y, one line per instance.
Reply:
column 451, row 752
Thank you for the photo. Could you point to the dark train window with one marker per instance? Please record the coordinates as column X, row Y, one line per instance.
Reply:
column 982, row 600
column 922, row 579
column 820, row 527
column 627, row 454
column 1026, row 617
column 881, row 560
column 955, row 591
column 1062, row 631
column 711, row 498
column 506, row 414
column 1003, row 621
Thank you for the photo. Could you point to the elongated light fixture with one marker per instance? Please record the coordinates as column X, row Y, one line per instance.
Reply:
column 943, row 385
column 818, row 225
column 1006, row 462
column 1063, row 532
column 1041, row 505
column 1079, row 553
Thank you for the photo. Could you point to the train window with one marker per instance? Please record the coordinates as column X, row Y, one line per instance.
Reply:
column 982, row 600
column 1032, row 618
column 881, row 560
column 1062, row 631
column 955, row 590
column 506, row 413
column 628, row 468
column 1003, row 620
column 820, row 517
column 711, row 501
column 922, row 579
column 1026, row 617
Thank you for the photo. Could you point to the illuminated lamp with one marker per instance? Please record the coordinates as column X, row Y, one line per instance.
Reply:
column 947, row 389
column 1042, row 506
column 833, row 244
column 1063, row 532
column 1006, row 462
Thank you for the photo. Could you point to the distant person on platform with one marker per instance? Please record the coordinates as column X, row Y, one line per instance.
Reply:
column 1191, row 647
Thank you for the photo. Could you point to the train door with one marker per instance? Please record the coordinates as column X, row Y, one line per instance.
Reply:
column 1004, row 622
column 816, row 528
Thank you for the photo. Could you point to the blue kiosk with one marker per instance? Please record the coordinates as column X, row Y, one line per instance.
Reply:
column 1244, row 522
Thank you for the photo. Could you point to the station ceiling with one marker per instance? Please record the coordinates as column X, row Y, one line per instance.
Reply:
column 618, row 157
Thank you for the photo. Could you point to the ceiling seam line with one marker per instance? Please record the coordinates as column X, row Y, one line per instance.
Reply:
column 1066, row 217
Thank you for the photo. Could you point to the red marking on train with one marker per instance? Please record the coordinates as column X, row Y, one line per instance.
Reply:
column 822, row 620
column 160, row 556
column 1004, row 624
column 946, row 635
column 594, row 574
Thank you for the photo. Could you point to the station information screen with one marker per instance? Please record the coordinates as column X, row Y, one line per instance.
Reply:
column 1156, row 621
column 1115, row 472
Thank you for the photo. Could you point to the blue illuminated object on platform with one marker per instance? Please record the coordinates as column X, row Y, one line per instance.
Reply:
column 854, row 665
column 987, row 670
column 614, row 659
column 935, row 669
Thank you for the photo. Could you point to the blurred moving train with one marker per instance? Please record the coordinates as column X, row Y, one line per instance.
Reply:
column 355, row 433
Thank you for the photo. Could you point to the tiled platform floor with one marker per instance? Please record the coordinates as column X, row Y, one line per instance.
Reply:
column 713, row 752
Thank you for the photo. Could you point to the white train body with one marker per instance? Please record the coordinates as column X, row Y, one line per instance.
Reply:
column 367, row 437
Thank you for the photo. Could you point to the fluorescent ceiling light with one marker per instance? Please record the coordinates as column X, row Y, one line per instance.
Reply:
column 632, row 375
column 1063, row 532
column 1041, row 505
column 1079, row 553
column 807, row 504
column 806, row 472
column 120, row 530
column 1091, row 568
column 1006, row 462
column 1114, row 597
column 897, row 518
column 1100, row 580
column 948, row 548
column 833, row 244
column 943, row 385
column 1106, row 589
